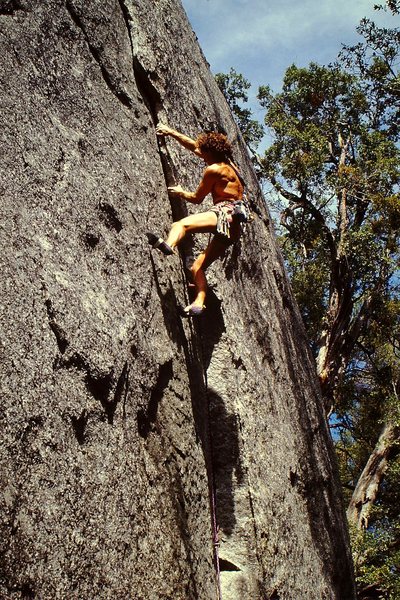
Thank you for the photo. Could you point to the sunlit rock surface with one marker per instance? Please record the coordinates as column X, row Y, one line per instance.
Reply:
column 118, row 419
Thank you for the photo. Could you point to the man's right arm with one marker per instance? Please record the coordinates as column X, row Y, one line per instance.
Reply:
column 184, row 140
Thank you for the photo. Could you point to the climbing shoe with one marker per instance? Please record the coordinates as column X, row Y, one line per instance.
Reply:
column 158, row 243
column 191, row 311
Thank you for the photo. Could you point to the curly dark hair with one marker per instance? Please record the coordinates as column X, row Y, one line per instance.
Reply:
column 216, row 143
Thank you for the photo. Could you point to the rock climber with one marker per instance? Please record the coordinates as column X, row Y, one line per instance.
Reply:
column 221, row 179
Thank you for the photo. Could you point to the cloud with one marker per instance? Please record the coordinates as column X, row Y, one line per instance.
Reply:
column 261, row 38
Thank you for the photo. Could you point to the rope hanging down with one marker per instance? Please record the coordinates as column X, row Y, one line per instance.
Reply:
column 169, row 174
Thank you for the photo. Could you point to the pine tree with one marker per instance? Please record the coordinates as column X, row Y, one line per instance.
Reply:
column 335, row 166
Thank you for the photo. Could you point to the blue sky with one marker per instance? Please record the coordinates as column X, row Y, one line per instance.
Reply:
column 261, row 38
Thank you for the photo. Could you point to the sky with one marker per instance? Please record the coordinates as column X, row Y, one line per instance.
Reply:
column 261, row 38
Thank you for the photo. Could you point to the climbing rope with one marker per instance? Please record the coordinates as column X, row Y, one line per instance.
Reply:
column 170, row 174
column 211, row 481
column 213, row 505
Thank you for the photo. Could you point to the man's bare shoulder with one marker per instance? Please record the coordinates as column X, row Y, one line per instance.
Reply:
column 216, row 169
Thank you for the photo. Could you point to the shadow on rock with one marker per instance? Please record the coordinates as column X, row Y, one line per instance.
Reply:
column 147, row 418
column 168, row 303
column 211, row 326
column 226, row 466
column 231, row 260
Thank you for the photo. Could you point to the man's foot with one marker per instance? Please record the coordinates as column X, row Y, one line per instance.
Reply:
column 157, row 242
column 191, row 311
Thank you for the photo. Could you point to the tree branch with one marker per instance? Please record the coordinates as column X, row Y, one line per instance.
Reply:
column 367, row 487
column 302, row 202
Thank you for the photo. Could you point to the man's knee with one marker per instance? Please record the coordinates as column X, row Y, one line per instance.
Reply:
column 180, row 225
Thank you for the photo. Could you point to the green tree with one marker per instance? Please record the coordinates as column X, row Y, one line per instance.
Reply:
column 234, row 87
column 334, row 163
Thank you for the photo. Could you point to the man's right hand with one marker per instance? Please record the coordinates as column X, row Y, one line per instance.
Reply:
column 184, row 140
column 163, row 130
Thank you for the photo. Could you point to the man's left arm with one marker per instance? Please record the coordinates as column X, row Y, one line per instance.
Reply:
column 205, row 187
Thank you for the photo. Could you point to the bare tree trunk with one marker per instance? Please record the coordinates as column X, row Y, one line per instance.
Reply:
column 367, row 487
column 338, row 318
column 337, row 325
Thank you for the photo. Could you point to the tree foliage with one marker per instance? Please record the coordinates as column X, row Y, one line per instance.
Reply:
column 335, row 162
column 234, row 87
column 335, row 165
column 392, row 5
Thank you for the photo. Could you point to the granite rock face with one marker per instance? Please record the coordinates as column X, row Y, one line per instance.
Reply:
column 118, row 419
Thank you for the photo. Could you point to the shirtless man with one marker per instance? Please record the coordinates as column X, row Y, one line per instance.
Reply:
column 220, row 179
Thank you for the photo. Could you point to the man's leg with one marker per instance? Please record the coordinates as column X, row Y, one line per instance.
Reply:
column 214, row 250
column 201, row 223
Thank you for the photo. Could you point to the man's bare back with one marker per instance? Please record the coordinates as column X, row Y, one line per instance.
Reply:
column 227, row 185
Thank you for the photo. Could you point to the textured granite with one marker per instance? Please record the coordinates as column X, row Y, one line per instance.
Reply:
column 118, row 418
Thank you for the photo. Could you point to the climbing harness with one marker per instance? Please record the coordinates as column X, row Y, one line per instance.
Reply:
column 224, row 212
column 241, row 208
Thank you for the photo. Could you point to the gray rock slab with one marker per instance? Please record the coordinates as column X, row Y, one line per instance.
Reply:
column 118, row 419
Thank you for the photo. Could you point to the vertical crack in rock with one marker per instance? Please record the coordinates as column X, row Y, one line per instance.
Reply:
column 258, row 553
column 151, row 96
column 212, row 491
column 153, row 102
column 146, row 418
column 197, row 384
column 149, row 93
column 122, row 388
column 120, row 94
column 254, row 521
column 9, row 7
column 79, row 426
column 177, row 495
column 210, row 466
column 59, row 333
